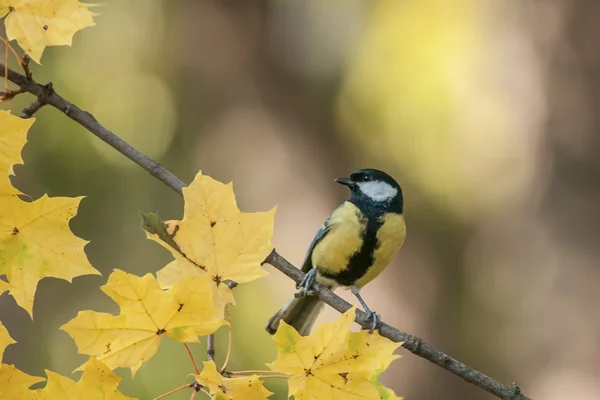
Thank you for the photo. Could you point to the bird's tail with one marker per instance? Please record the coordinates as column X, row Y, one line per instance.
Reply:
column 301, row 313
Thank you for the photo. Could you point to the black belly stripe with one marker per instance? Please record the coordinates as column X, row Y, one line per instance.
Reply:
column 362, row 260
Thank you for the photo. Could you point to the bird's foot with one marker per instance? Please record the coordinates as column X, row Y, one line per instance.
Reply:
column 304, row 287
column 370, row 314
column 376, row 320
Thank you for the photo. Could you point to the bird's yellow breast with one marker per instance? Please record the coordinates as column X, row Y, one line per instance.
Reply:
column 390, row 238
column 344, row 239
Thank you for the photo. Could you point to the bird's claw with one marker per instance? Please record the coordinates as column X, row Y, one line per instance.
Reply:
column 303, row 293
column 376, row 320
column 304, row 287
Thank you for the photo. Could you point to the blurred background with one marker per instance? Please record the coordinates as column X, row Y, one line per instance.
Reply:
column 484, row 110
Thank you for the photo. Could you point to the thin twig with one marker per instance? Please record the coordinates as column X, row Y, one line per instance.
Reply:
column 180, row 388
column 411, row 343
column 192, row 358
column 10, row 94
column 31, row 109
column 210, row 347
column 25, row 64
column 39, row 103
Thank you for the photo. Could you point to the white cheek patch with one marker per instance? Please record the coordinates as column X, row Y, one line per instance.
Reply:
column 378, row 191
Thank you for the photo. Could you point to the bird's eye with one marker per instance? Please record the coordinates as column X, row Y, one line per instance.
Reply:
column 366, row 178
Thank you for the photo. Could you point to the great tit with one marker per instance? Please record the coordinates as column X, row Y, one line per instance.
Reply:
column 354, row 245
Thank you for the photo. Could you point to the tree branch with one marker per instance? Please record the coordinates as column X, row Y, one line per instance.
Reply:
column 49, row 96
column 210, row 347
column 413, row 344
column 32, row 109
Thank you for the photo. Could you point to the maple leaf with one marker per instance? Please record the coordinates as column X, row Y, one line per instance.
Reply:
column 241, row 388
column 13, row 136
column 384, row 392
column 4, row 286
column 35, row 24
column 148, row 312
column 36, row 242
column 334, row 363
column 5, row 339
column 214, row 237
column 14, row 384
column 97, row 382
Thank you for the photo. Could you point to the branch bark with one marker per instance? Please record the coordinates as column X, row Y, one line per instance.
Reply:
column 46, row 95
column 210, row 347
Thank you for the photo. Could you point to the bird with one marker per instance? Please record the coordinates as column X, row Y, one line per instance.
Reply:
column 353, row 246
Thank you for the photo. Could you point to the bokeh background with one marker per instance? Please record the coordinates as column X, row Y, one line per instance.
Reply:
column 486, row 111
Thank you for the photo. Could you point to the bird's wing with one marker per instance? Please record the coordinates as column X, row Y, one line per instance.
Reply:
column 321, row 233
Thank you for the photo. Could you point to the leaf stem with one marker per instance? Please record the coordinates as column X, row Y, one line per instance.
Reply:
column 6, row 66
column 274, row 376
column 229, row 341
column 8, row 47
column 180, row 388
column 192, row 358
column 249, row 371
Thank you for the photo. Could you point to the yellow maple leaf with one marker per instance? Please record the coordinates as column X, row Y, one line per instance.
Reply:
column 35, row 24
column 183, row 313
column 5, row 339
column 240, row 388
column 36, row 242
column 97, row 382
column 214, row 237
column 4, row 286
column 13, row 136
column 15, row 384
column 384, row 392
column 333, row 362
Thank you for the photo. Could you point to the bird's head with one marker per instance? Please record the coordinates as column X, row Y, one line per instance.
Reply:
column 375, row 187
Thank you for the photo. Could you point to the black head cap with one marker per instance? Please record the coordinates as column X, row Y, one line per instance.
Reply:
column 374, row 187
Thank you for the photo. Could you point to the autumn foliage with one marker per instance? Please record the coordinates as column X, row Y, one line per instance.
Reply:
column 214, row 247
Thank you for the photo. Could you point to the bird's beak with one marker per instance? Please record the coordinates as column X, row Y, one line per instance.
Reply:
column 346, row 182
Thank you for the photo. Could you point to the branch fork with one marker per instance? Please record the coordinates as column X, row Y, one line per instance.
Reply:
column 48, row 90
